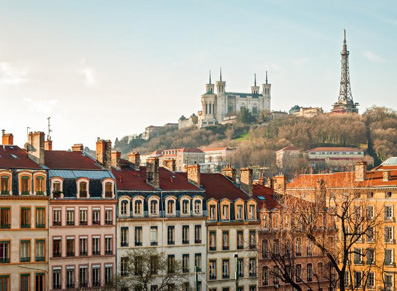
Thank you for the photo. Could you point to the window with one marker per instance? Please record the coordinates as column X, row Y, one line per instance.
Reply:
column 185, row 234
column 5, row 217
column 70, row 216
column 56, row 278
column 56, row 189
column 265, row 276
column 388, row 234
column 138, row 235
column 225, row 269
column 388, row 212
column 225, row 212
column 225, row 240
column 40, row 250
column 70, row 246
column 276, row 246
column 170, row 207
column 153, row 235
column 39, row 184
column 252, row 267
column 39, row 282
column 25, row 185
column 370, row 234
column 25, row 251
column 123, row 207
column 83, row 246
column 83, row 216
column 96, row 246
column 388, row 195
column 96, row 278
column 389, row 257
column 83, row 190
column 25, row 283
column 96, row 216
column 197, row 262
column 252, row 239
column 212, row 240
column 357, row 279
column 154, row 264
column 124, row 266
column 276, row 274
column 153, row 207
column 138, row 207
column 212, row 267
column 70, row 277
column 56, row 247
column 197, row 234
column 309, row 249
column 212, row 212
column 240, row 268
column 252, row 288
column 371, row 280
column 251, row 212
column 185, row 206
column 389, row 282
column 298, row 273
column 298, row 247
column 265, row 249
column 25, row 217
column 108, row 245
column 197, row 206
column 171, row 235
column 240, row 239
column 239, row 215
column 108, row 274
column 186, row 286
column 108, row 216
column 185, row 263
column 56, row 217
column 5, row 185
column 108, row 190
column 309, row 272
column 358, row 255
column 83, row 276
column 171, row 263
column 124, row 236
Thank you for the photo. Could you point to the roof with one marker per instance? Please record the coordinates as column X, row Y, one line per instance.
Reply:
column 66, row 160
column 217, row 186
column 71, row 174
column 129, row 179
column 265, row 197
column 289, row 148
column 243, row 95
column 390, row 162
column 334, row 149
column 217, row 149
column 13, row 157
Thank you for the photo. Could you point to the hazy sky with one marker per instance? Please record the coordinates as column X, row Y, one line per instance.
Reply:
column 111, row 68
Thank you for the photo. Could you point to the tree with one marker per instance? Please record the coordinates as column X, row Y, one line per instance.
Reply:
column 143, row 268
column 245, row 116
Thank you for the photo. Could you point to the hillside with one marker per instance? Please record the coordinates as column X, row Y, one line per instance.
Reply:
column 375, row 131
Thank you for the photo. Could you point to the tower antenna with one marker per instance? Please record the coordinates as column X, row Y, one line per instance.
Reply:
column 49, row 128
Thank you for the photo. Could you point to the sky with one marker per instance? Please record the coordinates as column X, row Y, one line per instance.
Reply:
column 110, row 68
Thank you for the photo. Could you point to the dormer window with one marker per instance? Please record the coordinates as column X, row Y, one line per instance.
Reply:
column 138, row 207
column 56, row 189
column 225, row 212
column 83, row 187
column 170, row 206
column 185, row 206
column 25, row 183
column 251, row 212
column 212, row 212
column 124, row 207
column 5, row 185
column 39, row 185
column 153, row 207
column 197, row 206
column 239, row 212
column 108, row 190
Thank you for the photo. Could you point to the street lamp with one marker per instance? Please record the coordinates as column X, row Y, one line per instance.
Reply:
column 236, row 256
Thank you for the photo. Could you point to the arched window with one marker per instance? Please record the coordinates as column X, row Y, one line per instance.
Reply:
column 265, row 276
column 298, row 247
column 124, row 207
column 197, row 206
column 56, row 189
column 83, row 190
column 170, row 206
column 5, row 185
column 185, row 206
column 108, row 190
column 138, row 207
column 275, row 221
column 39, row 185
column 265, row 249
column 153, row 207
column 25, row 182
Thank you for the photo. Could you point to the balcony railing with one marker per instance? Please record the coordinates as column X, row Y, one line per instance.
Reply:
column 5, row 225
column 57, row 223
column 83, row 253
column 96, row 222
column 185, row 242
column 153, row 243
column 212, row 277
column 108, row 252
column 57, row 286
column 70, row 254
column 25, row 225
column 108, row 222
column 70, row 285
column 40, row 259
column 83, row 222
column 83, row 284
column 96, row 283
column 57, row 254
column 96, row 252
column 25, row 259
column 40, row 225
column 212, row 248
column 124, row 244
column 70, row 222
column 4, row 260
column 197, row 241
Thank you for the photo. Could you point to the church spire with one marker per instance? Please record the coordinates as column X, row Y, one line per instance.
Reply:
column 255, row 80
column 266, row 78
column 220, row 74
column 210, row 78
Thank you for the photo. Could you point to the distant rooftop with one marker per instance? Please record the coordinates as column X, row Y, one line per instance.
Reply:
column 390, row 162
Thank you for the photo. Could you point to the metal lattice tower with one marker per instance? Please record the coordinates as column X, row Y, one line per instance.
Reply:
column 345, row 99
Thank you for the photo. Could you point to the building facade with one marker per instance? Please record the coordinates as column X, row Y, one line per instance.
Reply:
column 224, row 106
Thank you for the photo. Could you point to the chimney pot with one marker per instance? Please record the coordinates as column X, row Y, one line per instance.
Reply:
column 386, row 176
column 7, row 138
column 193, row 174
column 169, row 164
column 152, row 172
column 116, row 159
column 135, row 159
column 230, row 173
column 360, row 171
column 104, row 152
column 246, row 180
column 77, row 147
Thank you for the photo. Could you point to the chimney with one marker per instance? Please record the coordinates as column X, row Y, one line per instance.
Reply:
column 270, row 183
column 7, row 138
column 77, row 147
column 279, row 183
column 360, row 171
column 193, row 174
column 230, row 173
column 116, row 159
column 152, row 172
column 48, row 145
column 246, row 179
column 104, row 152
column 35, row 146
column 386, row 176
column 169, row 164
column 135, row 159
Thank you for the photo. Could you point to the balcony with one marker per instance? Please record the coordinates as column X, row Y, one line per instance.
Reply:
column 153, row 243
column 96, row 283
column 5, row 192
column 197, row 241
column 96, row 222
column 212, row 248
column 83, row 284
column 225, row 248
column 57, row 223
column 171, row 242
column 212, row 277
column 225, row 276
column 138, row 243
column 185, row 242
column 57, row 194
column 40, row 193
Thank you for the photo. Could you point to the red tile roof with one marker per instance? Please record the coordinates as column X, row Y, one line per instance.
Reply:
column 216, row 149
column 335, row 149
column 175, row 181
column 13, row 157
column 65, row 160
column 218, row 186
column 265, row 197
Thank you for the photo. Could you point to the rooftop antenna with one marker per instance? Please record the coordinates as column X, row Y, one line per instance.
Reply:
column 27, row 131
column 49, row 128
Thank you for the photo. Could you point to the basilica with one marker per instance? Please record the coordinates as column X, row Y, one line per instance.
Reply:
column 223, row 107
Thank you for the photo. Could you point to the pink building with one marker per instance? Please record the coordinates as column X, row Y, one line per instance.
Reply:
column 82, row 221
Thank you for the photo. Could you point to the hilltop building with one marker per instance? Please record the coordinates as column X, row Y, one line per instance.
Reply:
column 223, row 106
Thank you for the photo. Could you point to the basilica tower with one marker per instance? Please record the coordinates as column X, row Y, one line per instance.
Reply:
column 266, row 94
